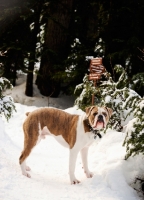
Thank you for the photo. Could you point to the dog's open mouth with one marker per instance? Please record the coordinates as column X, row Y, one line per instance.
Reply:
column 99, row 124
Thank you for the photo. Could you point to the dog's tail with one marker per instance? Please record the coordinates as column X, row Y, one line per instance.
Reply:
column 27, row 113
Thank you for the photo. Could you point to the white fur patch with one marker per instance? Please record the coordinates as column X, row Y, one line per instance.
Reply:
column 61, row 140
column 45, row 132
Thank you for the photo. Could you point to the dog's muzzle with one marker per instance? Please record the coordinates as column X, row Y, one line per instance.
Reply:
column 100, row 122
column 100, row 118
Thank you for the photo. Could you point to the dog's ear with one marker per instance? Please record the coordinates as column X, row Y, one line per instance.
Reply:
column 88, row 110
column 109, row 110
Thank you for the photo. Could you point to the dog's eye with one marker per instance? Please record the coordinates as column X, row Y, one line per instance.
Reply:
column 104, row 114
column 94, row 114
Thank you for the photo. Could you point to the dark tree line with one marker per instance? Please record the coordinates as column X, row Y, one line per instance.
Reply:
column 72, row 30
column 56, row 46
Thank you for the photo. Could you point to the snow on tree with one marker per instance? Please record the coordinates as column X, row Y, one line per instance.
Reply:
column 111, row 94
column 127, row 106
column 6, row 102
column 134, row 140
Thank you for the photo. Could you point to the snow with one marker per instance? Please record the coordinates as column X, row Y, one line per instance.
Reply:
column 112, row 178
column 141, row 105
column 18, row 94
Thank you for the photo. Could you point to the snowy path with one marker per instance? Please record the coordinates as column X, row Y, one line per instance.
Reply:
column 49, row 164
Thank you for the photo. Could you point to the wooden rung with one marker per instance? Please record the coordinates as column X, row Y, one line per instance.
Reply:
column 96, row 61
column 94, row 76
column 98, row 68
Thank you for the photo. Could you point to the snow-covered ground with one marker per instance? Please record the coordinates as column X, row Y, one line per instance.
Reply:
column 18, row 94
column 113, row 175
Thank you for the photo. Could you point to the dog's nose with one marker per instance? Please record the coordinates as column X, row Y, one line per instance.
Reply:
column 100, row 117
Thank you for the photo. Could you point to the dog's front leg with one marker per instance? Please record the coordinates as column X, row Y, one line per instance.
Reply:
column 72, row 163
column 84, row 155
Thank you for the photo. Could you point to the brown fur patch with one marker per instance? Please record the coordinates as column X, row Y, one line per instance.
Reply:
column 30, row 140
column 91, row 115
column 109, row 111
column 57, row 121
column 86, row 126
column 27, row 113
column 88, row 110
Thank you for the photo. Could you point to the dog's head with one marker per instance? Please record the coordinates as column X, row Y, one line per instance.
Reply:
column 98, row 116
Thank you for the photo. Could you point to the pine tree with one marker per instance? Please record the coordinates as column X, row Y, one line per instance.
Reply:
column 134, row 140
column 6, row 102
column 119, row 97
column 137, row 83
column 85, row 91
column 127, row 106
column 114, row 95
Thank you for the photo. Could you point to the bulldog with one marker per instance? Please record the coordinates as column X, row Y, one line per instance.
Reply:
column 77, row 132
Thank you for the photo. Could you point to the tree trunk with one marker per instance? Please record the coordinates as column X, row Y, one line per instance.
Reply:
column 29, row 80
column 35, row 31
column 55, row 47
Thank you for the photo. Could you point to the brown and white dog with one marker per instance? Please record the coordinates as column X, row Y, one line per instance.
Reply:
column 72, row 131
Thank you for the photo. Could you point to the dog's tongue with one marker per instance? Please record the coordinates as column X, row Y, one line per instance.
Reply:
column 99, row 125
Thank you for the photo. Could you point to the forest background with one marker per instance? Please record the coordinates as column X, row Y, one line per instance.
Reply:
column 61, row 36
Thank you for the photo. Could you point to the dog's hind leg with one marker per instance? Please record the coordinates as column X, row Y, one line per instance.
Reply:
column 30, row 141
column 24, row 169
column 22, row 161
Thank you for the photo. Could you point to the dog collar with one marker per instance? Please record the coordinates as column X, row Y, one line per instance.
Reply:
column 95, row 132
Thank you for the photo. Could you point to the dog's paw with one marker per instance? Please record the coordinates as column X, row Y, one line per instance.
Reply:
column 75, row 181
column 89, row 174
column 27, row 174
column 27, row 168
